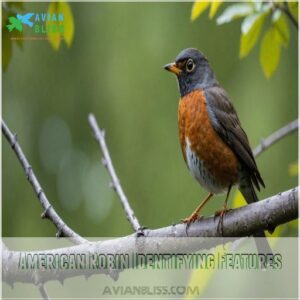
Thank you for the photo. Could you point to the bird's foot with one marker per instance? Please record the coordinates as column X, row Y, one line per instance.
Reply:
column 191, row 219
column 221, row 214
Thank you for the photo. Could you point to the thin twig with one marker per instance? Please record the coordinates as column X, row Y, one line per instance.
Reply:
column 285, row 9
column 49, row 212
column 275, row 137
column 239, row 222
column 99, row 135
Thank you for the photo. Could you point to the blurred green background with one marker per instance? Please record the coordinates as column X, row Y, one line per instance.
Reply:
column 114, row 69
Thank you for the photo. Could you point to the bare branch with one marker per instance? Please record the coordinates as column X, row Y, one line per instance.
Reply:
column 99, row 135
column 49, row 212
column 275, row 137
column 6, row 255
column 239, row 222
column 244, row 221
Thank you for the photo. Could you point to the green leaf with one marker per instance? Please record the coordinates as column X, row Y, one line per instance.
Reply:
column 233, row 12
column 68, row 22
column 250, row 21
column 283, row 29
column 214, row 8
column 238, row 200
column 294, row 169
column 251, row 28
column 198, row 9
column 201, row 277
column 53, row 37
column 6, row 49
column 270, row 51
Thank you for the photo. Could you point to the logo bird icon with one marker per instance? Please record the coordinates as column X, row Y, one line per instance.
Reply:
column 16, row 23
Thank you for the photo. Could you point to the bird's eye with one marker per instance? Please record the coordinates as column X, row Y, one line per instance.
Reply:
column 190, row 65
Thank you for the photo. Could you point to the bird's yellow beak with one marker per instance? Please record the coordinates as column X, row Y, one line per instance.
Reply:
column 172, row 67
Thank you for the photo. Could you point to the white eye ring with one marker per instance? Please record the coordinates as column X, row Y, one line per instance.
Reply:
column 190, row 65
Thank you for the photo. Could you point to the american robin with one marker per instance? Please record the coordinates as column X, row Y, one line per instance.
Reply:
column 214, row 145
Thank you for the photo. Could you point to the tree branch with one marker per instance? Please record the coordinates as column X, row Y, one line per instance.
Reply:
column 239, row 222
column 100, row 137
column 49, row 212
column 275, row 137
column 244, row 221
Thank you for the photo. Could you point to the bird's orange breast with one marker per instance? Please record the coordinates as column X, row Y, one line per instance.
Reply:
column 195, row 126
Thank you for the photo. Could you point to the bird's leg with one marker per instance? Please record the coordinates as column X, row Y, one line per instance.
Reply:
column 222, row 212
column 193, row 217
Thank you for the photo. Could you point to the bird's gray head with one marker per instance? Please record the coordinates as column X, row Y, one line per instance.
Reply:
column 192, row 70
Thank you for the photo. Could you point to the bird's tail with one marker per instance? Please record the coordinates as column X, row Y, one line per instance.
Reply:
column 247, row 190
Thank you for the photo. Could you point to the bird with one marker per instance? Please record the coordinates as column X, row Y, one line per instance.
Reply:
column 214, row 145
column 16, row 23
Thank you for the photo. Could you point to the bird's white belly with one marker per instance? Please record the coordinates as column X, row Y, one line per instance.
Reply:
column 200, row 173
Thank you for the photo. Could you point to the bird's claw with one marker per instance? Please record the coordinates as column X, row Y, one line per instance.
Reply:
column 191, row 219
column 221, row 214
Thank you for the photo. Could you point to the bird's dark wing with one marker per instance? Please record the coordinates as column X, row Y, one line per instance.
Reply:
column 226, row 123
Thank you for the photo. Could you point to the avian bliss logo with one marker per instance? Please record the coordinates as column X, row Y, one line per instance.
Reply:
column 38, row 23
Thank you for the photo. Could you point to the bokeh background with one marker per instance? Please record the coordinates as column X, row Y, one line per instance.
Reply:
column 114, row 69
